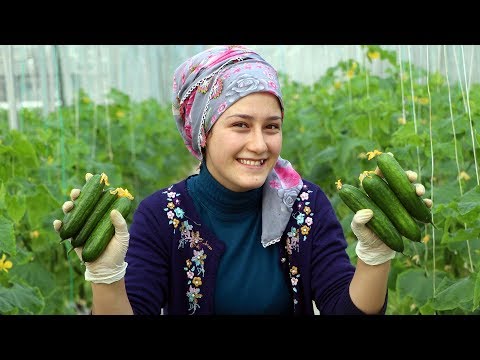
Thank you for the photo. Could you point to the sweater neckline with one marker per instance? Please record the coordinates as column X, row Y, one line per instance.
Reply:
column 219, row 200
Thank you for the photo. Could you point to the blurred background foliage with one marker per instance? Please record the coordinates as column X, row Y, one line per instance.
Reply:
column 379, row 98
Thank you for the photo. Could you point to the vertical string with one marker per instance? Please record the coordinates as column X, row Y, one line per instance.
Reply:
column 367, row 84
column 470, row 117
column 404, row 114
column 414, row 112
column 432, row 172
column 107, row 112
column 455, row 148
column 95, row 111
column 401, row 81
column 23, row 98
column 62, row 154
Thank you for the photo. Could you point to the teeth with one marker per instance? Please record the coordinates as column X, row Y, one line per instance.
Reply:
column 251, row 162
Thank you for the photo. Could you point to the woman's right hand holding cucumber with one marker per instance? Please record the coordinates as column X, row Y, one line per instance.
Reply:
column 110, row 266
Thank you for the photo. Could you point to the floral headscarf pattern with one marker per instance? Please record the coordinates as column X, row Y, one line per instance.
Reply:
column 207, row 84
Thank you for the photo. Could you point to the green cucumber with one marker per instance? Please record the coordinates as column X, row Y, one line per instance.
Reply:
column 398, row 181
column 380, row 224
column 104, row 230
column 380, row 192
column 83, row 206
column 106, row 200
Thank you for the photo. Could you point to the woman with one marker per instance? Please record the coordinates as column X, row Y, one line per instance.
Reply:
column 247, row 235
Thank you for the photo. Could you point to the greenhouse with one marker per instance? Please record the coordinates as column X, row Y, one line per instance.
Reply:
column 133, row 115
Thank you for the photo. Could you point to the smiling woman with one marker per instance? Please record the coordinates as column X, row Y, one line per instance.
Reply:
column 244, row 145
column 247, row 234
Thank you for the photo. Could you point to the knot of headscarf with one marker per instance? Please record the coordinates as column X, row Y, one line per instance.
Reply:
column 207, row 84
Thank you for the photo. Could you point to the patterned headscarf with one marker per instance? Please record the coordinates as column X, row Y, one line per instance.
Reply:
column 204, row 86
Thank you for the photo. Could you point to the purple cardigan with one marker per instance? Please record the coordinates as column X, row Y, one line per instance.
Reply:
column 173, row 260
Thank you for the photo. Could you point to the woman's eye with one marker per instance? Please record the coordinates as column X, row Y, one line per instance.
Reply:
column 273, row 127
column 241, row 125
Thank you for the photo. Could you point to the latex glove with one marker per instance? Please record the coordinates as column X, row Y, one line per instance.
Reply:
column 110, row 265
column 370, row 249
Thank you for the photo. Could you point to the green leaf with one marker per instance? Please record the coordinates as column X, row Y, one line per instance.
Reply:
column 24, row 150
column 461, row 235
column 34, row 273
column 417, row 285
column 16, row 207
column 21, row 299
column 476, row 293
column 40, row 206
column 469, row 201
column 452, row 294
column 7, row 237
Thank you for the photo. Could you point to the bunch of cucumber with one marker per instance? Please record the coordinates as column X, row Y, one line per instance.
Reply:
column 397, row 209
column 88, row 224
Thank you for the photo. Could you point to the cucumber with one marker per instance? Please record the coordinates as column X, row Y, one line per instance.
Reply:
column 106, row 200
column 380, row 224
column 104, row 230
column 402, row 187
column 83, row 206
column 380, row 192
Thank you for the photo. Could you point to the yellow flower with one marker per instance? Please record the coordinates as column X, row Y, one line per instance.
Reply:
column 86, row 100
column 373, row 55
column 337, row 84
column 464, row 176
column 423, row 100
column 34, row 234
column 120, row 114
column 372, row 154
column 5, row 265
column 354, row 65
column 350, row 73
column 362, row 155
column 338, row 183
column 401, row 120
column 426, row 239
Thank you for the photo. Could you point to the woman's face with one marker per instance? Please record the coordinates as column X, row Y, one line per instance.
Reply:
column 245, row 142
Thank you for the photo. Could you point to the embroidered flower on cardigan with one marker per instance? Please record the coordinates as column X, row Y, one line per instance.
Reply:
column 304, row 217
column 194, row 267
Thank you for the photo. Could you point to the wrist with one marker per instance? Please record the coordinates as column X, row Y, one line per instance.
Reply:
column 106, row 275
column 374, row 256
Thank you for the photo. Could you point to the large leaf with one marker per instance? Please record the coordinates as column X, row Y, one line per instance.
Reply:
column 40, row 207
column 21, row 299
column 34, row 273
column 417, row 285
column 7, row 237
column 476, row 292
column 469, row 201
column 16, row 207
column 453, row 294
column 24, row 150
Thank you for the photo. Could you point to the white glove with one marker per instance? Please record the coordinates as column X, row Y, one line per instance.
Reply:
column 370, row 249
column 110, row 265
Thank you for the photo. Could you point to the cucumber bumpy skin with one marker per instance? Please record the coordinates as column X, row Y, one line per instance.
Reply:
column 106, row 200
column 104, row 230
column 381, row 193
column 83, row 206
column 380, row 224
column 402, row 187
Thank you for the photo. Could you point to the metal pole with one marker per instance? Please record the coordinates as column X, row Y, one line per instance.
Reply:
column 10, row 83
